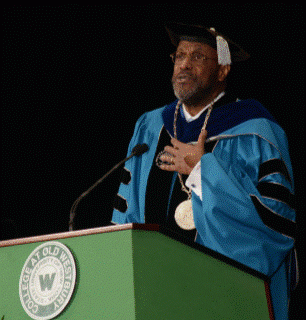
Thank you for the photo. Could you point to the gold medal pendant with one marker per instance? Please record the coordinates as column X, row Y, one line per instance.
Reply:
column 184, row 215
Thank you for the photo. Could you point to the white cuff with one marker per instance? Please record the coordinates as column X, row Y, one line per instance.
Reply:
column 194, row 180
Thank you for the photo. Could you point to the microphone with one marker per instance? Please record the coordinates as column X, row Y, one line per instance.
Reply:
column 137, row 151
column 140, row 149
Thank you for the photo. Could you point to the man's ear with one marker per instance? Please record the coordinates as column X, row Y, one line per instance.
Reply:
column 223, row 72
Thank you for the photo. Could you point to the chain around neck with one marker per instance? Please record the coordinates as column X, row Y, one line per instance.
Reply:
column 184, row 188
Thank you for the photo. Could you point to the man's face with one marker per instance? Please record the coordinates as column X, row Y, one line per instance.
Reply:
column 194, row 78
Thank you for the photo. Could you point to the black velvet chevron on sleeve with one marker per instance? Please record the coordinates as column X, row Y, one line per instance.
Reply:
column 273, row 166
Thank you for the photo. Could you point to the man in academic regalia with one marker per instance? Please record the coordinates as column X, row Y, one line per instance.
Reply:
column 218, row 169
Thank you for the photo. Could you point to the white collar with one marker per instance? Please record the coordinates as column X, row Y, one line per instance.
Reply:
column 190, row 118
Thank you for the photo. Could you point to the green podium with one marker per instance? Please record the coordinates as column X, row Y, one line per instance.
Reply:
column 130, row 271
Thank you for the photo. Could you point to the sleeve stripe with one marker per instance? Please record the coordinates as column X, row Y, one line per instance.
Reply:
column 273, row 220
column 126, row 176
column 277, row 192
column 120, row 203
column 273, row 166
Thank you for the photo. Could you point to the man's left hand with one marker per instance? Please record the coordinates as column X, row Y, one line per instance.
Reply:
column 183, row 157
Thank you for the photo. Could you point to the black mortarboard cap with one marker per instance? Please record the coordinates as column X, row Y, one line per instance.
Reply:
column 179, row 31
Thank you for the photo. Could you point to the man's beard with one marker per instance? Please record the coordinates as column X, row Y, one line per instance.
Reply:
column 192, row 94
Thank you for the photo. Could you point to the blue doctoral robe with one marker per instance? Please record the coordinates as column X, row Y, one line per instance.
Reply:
column 247, row 212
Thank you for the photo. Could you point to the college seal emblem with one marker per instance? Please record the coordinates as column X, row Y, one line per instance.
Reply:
column 47, row 281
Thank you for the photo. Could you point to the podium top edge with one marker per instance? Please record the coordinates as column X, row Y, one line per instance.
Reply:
column 79, row 233
column 137, row 226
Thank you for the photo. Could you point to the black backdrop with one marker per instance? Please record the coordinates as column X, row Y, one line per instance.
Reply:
column 77, row 77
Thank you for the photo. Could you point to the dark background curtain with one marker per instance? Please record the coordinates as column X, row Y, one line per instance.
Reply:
column 77, row 77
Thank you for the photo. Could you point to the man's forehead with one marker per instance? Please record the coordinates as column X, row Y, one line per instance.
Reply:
column 195, row 46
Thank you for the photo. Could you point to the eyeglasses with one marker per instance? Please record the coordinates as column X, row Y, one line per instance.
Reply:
column 197, row 58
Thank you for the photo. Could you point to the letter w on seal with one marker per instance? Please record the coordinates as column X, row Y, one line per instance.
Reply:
column 46, row 281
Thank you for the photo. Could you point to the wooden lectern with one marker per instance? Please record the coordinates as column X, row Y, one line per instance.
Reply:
column 130, row 271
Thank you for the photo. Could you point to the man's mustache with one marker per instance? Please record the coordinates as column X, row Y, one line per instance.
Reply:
column 184, row 75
